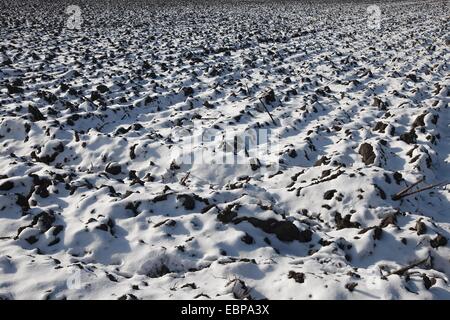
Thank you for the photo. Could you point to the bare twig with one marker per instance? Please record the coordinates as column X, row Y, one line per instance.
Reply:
column 402, row 271
column 267, row 110
column 184, row 179
column 420, row 190
column 401, row 192
column 406, row 192
column 248, row 92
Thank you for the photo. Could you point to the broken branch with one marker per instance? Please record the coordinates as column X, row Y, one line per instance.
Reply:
column 267, row 110
column 401, row 192
column 402, row 271
column 184, row 179
column 405, row 193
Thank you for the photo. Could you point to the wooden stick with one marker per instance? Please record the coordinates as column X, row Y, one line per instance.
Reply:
column 399, row 194
column 248, row 92
column 183, row 180
column 402, row 271
column 420, row 190
column 267, row 110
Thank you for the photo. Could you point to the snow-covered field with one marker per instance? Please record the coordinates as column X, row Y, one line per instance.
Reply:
column 113, row 182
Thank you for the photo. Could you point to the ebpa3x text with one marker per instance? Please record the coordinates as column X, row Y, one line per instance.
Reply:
column 233, row 309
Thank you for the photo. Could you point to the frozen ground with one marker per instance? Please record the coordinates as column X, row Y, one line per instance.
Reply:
column 98, row 200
